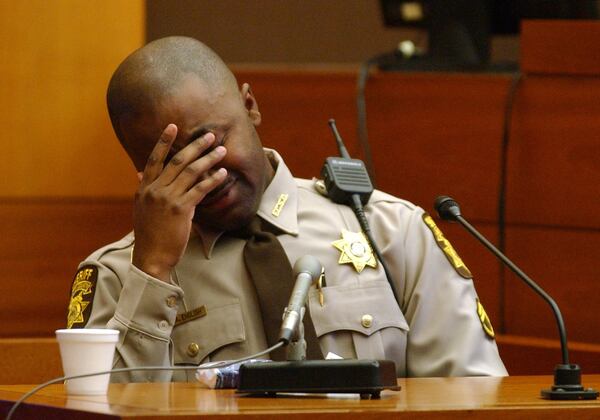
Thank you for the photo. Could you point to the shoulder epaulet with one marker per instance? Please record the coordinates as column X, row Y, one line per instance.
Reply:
column 380, row 196
column 122, row 243
column 318, row 186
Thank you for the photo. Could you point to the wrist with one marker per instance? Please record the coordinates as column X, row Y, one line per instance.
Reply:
column 151, row 266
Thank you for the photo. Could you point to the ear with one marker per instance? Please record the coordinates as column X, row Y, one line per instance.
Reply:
column 250, row 104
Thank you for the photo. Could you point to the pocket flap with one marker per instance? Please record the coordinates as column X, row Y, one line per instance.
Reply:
column 222, row 325
column 366, row 308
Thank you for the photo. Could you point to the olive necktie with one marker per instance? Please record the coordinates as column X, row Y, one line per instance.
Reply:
column 272, row 275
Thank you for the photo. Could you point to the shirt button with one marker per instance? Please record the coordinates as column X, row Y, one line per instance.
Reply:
column 171, row 301
column 163, row 325
column 193, row 349
column 366, row 321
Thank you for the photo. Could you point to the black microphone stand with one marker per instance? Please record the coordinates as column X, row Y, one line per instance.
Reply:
column 567, row 376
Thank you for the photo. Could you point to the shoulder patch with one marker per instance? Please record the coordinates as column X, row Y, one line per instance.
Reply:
column 82, row 296
column 485, row 321
column 447, row 248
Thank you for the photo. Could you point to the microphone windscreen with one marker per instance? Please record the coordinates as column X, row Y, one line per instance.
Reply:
column 310, row 265
column 447, row 208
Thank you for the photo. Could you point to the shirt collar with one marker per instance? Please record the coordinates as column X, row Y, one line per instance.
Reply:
column 278, row 206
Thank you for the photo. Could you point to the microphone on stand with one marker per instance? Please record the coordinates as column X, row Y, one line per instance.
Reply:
column 307, row 270
column 567, row 376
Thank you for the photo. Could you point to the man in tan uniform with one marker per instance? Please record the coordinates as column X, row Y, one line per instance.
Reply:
column 183, row 295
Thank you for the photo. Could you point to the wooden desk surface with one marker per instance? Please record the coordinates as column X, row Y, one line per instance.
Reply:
column 473, row 398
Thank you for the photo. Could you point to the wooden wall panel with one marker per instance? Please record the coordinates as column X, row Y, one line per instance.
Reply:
column 553, row 194
column 554, row 152
column 31, row 360
column 433, row 134
column 536, row 356
column 565, row 263
column 560, row 47
column 56, row 59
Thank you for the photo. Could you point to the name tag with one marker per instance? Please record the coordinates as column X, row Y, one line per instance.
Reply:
column 188, row 316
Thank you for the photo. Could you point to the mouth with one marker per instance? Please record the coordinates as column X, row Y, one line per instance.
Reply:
column 214, row 198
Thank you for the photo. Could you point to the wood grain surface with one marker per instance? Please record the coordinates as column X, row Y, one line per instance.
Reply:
column 421, row 398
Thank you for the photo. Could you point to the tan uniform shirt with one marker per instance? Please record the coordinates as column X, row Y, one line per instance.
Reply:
column 210, row 310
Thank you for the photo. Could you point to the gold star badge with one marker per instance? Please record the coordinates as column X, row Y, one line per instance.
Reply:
column 355, row 250
column 76, row 307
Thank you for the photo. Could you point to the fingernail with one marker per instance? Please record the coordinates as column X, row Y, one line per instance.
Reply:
column 220, row 150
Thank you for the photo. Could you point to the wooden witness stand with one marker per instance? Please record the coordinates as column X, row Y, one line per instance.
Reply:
column 420, row 398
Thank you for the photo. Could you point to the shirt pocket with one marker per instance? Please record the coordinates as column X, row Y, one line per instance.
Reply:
column 222, row 325
column 362, row 321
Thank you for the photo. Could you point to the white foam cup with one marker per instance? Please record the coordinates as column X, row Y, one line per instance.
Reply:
column 87, row 351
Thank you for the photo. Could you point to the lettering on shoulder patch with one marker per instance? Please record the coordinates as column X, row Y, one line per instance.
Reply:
column 82, row 296
column 485, row 321
column 447, row 248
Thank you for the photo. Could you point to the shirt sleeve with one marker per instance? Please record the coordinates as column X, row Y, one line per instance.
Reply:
column 447, row 336
column 142, row 308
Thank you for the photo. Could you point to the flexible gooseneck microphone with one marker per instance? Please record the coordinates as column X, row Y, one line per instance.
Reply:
column 567, row 377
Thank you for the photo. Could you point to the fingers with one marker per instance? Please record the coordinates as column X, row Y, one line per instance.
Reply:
column 197, row 193
column 180, row 163
column 197, row 170
column 154, row 165
column 189, row 170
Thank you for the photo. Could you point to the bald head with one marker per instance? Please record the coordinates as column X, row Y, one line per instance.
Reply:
column 154, row 71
